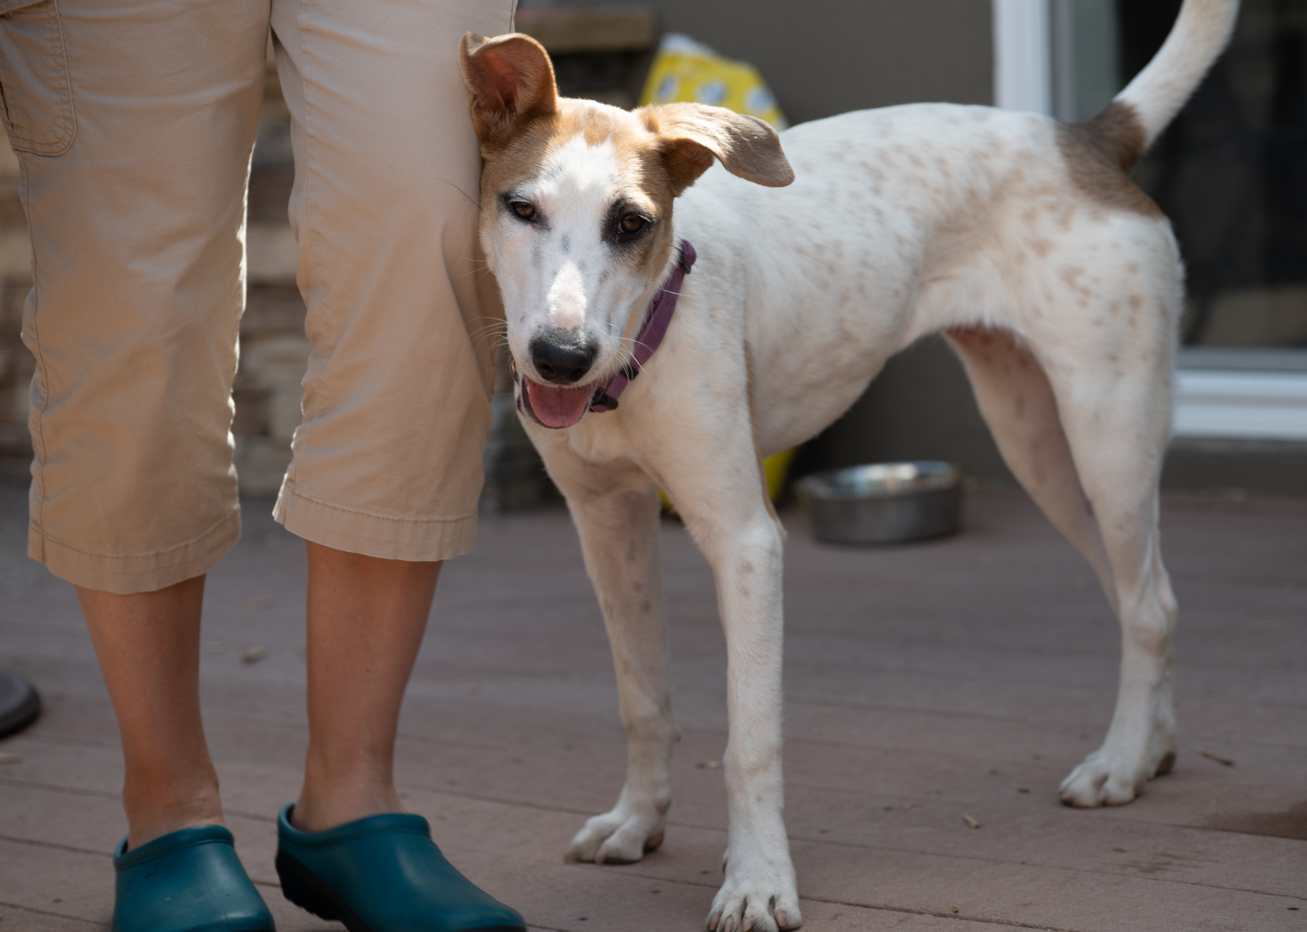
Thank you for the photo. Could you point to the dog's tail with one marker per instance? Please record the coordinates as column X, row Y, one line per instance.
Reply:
column 1126, row 127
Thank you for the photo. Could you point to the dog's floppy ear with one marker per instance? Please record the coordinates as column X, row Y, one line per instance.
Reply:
column 511, row 80
column 692, row 134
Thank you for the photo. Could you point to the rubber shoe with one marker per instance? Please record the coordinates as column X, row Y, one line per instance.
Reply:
column 383, row 874
column 186, row 881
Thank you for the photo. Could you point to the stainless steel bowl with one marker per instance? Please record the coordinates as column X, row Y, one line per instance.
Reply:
column 884, row 503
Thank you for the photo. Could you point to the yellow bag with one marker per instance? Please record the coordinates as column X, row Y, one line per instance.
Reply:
column 686, row 72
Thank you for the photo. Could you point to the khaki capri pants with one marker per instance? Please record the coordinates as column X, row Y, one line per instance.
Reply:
column 134, row 121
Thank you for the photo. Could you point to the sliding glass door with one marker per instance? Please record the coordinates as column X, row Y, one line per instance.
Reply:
column 1231, row 173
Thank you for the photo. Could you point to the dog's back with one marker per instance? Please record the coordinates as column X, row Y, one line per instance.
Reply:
column 908, row 220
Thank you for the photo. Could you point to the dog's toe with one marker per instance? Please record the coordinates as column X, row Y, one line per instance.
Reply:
column 1102, row 780
column 754, row 907
column 585, row 845
column 615, row 838
column 625, row 846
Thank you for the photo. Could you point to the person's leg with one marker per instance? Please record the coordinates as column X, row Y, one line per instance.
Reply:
column 148, row 645
column 366, row 619
column 136, row 215
column 387, row 462
column 134, row 123
column 347, row 850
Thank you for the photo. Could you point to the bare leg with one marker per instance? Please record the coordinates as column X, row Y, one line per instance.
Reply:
column 149, row 650
column 366, row 617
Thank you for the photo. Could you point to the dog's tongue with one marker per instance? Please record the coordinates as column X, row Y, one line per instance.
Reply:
column 558, row 407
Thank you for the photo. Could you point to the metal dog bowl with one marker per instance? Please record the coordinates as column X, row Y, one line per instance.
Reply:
column 884, row 503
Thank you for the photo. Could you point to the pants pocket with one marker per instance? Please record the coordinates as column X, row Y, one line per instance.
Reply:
column 34, row 82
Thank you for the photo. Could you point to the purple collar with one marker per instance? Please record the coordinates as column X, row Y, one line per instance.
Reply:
column 651, row 334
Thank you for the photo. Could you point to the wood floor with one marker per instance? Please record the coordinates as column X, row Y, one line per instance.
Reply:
column 925, row 684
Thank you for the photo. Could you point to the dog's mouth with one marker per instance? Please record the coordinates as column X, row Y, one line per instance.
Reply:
column 554, row 405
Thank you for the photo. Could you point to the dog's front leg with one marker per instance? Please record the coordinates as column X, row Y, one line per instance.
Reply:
column 616, row 512
column 733, row 524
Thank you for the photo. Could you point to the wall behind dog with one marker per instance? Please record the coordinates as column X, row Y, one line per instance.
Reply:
column 831, row 56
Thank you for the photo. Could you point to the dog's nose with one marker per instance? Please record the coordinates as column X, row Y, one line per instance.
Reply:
column 562, row 356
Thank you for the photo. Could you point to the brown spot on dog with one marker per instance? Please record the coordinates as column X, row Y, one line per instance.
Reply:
column 1116, row 132
column 1070, row 273
column 1101, row 152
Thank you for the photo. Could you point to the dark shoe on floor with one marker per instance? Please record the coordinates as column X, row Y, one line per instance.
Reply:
column 384, row 874
column 186, row 881
column 19, row 703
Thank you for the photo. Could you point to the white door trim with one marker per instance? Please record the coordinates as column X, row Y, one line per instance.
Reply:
column 1023, row 77
column 1245, row 405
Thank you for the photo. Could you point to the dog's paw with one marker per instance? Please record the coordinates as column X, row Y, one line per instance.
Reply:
column 1105, row 778
column 756, row 902
column 1130, row 756
column 622, row 836
column 1101, row 781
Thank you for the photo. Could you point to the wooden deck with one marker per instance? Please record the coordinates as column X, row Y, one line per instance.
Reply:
column 924, row 684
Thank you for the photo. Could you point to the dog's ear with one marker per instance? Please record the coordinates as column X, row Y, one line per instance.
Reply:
column 693, row 134
column 511, row 80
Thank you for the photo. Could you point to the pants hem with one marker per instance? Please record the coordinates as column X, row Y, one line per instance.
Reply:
column 414, row 540
column 137, row 572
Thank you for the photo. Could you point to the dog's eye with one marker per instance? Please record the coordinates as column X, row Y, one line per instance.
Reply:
column 523, row 209
column 631, row 223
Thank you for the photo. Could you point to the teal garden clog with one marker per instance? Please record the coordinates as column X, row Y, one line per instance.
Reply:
column 384, row 874
column 186, row 881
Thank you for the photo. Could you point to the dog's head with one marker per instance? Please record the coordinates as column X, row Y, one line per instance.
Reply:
column 576, row 202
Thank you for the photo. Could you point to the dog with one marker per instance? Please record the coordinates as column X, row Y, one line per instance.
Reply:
column 792, row 274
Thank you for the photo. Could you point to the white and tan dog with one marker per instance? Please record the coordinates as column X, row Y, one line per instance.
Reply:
column 1057, row 281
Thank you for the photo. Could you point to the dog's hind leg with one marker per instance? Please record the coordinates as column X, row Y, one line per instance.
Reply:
column 616, row 512
column 1018, row 405
column 1088, row 450
column 1118, row 440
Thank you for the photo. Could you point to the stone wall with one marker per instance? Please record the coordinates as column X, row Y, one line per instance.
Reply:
column 16, row 363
